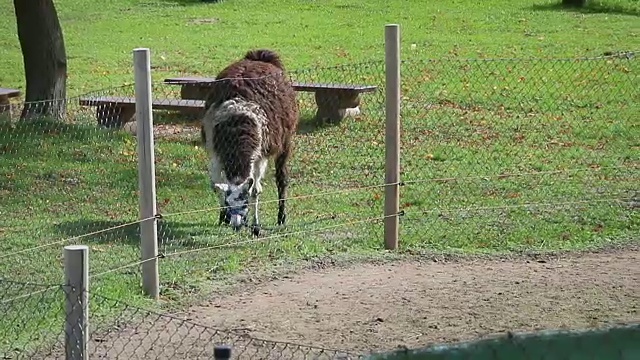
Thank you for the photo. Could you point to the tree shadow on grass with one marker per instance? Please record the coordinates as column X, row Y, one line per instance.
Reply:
column 590, row 8
column 25, row 138
column 110, row 232
column 195, row 2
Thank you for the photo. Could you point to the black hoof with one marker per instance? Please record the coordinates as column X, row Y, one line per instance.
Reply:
column 256, row 230
column 222, row 218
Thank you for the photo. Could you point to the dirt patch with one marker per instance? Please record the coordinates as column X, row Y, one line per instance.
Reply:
column 380, row 307
column 363, row 308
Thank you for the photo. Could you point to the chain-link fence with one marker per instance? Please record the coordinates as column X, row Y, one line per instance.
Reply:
column 123, row 331
column 501, row 154
column 32, row 316
column 141, row 334
column 514, row 154
column 64, row 181
column 49, row 329
column 335, row 179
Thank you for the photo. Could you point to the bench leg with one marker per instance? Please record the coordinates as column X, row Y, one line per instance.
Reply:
column 334, row 106
column 114, row 116
column 193, row 92
column 5, row 106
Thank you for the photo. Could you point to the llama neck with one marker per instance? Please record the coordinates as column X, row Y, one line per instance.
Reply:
column 237, row 180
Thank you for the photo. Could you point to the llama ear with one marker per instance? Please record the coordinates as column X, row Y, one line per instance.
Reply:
column 222, row 187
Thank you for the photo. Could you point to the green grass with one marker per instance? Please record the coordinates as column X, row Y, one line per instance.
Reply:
column 194, row 37
column 571, row 125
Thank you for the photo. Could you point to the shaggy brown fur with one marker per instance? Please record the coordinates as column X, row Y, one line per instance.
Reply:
column 260, row 79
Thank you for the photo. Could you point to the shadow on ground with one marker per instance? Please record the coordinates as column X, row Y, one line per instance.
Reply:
column 193, row 2
column 170, row 233
column 591, row 7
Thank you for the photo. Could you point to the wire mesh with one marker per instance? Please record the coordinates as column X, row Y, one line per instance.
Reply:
column 128, row 332
column 497, row 154
column 511, row 154
column 32, row 316
column 64, row 181
column 336, row 178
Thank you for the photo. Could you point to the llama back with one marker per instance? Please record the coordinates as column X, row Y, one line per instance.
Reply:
column 266, row 56
column 259, row 77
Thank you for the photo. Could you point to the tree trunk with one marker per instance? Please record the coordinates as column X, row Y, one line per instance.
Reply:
column 45, row 60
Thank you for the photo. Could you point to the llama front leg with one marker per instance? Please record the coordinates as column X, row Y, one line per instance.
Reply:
column 215, row 174
column 282, row 181
column 258, row 175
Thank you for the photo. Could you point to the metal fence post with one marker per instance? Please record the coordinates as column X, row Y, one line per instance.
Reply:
column 392, row 135
column 76, row 271
column 222, row 352
column 146, row 173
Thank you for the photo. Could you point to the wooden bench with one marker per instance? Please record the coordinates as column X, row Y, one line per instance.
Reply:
column 334, row 101
column 114, row 111
column 5, row 94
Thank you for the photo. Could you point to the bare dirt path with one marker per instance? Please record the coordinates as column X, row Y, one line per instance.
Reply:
column 363, row 308
column 380, row 307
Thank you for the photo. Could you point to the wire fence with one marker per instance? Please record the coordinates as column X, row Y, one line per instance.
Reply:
column 502, row 154
column 541, row 151
column 123, row 331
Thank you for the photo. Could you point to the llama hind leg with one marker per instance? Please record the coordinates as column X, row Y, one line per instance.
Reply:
column 282, row 181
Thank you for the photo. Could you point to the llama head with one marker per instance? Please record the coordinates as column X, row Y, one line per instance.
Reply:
column 236, row 202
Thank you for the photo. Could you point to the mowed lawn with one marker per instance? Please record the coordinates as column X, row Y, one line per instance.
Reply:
column 194, row 37
column 498, row 156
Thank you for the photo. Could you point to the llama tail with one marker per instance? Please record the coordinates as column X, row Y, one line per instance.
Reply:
column 266, row 56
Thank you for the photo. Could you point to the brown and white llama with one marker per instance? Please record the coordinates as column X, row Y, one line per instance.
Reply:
column 251, row 116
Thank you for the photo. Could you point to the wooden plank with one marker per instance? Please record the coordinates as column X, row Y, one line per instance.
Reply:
column 188, row 80
column 315, row 87
column 9, row 92
column 162, row 104
column 311, row 87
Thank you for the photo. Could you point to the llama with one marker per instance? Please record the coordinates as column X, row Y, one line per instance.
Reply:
column 251, row 117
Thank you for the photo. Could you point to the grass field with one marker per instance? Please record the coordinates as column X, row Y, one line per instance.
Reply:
column 571, row 125
column 193, row 37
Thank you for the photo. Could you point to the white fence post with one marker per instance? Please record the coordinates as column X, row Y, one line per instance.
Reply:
column 392, row 135
column 76, row 271
column 146, row 173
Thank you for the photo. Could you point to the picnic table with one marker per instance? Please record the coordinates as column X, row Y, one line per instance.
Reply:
column 115, row 111
column 334, row 101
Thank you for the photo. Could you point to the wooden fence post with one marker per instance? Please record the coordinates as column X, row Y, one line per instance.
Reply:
column 146, row 173
column 392, row 136
column 76, row 273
